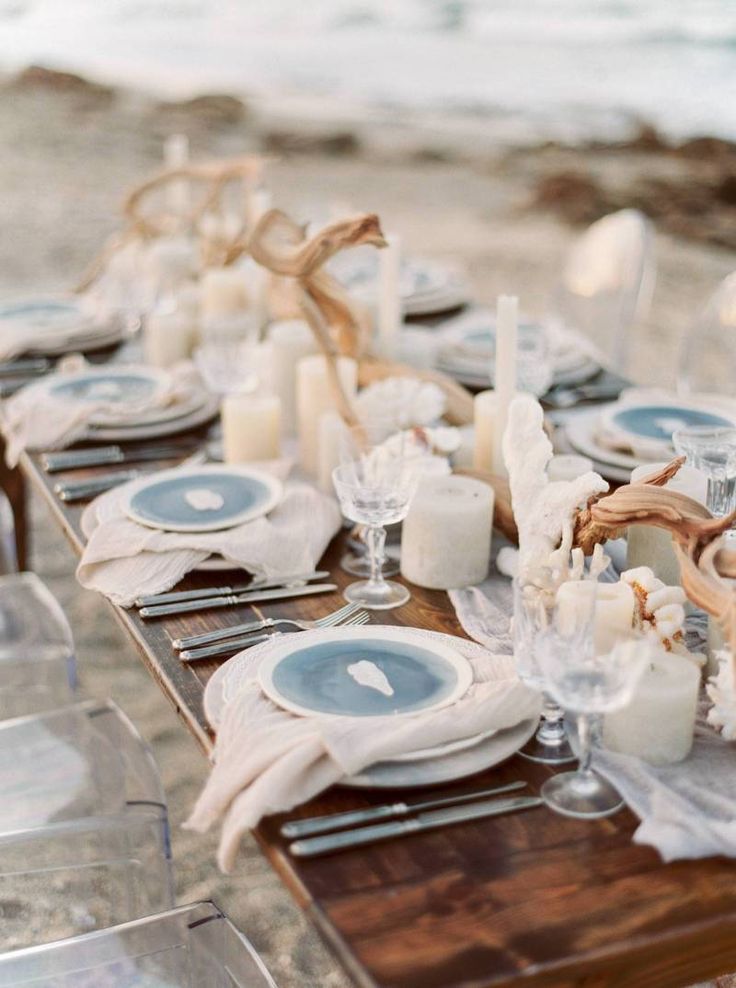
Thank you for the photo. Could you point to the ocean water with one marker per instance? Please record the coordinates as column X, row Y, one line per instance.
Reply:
column 557, row 68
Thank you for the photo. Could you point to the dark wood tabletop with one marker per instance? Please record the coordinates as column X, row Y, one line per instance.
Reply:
column 531, row 899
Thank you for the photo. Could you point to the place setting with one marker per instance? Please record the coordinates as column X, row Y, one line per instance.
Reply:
column 52, row 326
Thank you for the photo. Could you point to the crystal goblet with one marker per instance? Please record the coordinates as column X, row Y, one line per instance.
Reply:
column 712, row 451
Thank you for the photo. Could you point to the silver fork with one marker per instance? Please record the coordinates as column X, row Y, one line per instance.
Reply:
column 233, row 645
column 328, row 621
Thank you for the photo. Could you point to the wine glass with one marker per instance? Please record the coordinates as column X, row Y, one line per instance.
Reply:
column 226, row 355
column 712, row 450
column 585, row 683
column 375, row 483
column 533, row 601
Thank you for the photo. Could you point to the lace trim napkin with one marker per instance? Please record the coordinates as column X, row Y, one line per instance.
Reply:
column 125, row 560
column 36, row 419
column 267, row 760
column 686, row 810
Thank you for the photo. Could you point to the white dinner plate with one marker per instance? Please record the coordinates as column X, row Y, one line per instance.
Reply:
column 363, row 672
column 581, row 431
column 648, row 426
column 156, row 430
column 112, row 385
column 202, row 499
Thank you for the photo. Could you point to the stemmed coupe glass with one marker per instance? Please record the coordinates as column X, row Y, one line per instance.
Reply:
column 712, row 451
column 375, row 483
column 586, row 684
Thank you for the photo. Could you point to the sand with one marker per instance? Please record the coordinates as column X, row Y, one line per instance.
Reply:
column 70, row 151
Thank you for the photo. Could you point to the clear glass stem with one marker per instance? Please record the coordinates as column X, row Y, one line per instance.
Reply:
column 376, row 540
column 584, row 739
column 551, row 726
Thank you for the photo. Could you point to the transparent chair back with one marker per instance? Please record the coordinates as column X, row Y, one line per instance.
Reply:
column 608, row 283
column 84, row 838
column 708, row 353
column 189, row 947
column 37, row 661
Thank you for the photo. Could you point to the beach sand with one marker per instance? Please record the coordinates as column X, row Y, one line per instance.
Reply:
column 71, row 150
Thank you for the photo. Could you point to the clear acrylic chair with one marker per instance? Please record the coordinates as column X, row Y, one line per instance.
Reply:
column 608, row 282
column 193, row 946
column 84, row 837
column 37, row 661
column 707, row 363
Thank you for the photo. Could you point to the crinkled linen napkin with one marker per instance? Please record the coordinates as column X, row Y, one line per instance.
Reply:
column 35, row 419
column 686, row 810
column 125, row 560
column 267, row 760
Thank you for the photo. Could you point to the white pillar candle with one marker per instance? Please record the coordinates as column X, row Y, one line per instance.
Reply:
column 507, row 319
column 389, row 297
column 568, row 466
column 314, row 396
column 332, row 430
column 614, row 610
column 485, row 408
column 464, row 456
column 650, row 546
column 168, row 337
column 251, row 427
column 176, row 155
column 224, row 292
column 659, row 721
column 291, row 339
column 446, row 536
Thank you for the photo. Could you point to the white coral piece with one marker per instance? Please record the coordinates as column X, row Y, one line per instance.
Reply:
column 543, row 509
column 721, row 688
column 660, row 611
column 402, row 402
column 417, row 451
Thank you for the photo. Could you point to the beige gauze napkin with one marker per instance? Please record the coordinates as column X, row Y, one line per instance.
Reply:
column 125, row 560
column 34, row 419
column 267, row 760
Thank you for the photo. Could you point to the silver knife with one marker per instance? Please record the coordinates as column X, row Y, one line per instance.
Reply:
column 73, row 459
column 230, row 600
column 229, row 647
column 311, row 847
column 311, row 826
column 29, row 365
column 176, row 595
column 77, row 489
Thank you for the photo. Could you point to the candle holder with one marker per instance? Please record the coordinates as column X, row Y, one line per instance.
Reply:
column 713, row 452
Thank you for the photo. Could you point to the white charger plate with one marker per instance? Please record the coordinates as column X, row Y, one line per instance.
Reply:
column 648, row 425
column 113, row 385
column 205, row 498
column 156, row 430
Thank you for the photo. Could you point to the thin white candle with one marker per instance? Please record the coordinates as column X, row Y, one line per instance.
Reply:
column 314, row 397
column 446, row 536
column 659, row 721
column 650, row 546
column 176, row 155
column 507, row 319
column 251, row 427
column 291, row 340
column 485, row 408
column 389, row 297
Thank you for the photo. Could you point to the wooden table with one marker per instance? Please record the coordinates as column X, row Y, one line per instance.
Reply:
column 528, row 899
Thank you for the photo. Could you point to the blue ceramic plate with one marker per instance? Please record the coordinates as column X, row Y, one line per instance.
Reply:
column 202, row 499
column 48, row 312
column 658, row 421
column 364, row 672
column 127, row 384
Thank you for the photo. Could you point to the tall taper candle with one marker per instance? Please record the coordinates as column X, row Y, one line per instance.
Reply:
column 389, row 297
column 314, row 396
column 507, row 318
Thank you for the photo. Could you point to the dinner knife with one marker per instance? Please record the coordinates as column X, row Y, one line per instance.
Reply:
column 76, row 490
column 176, row 595
column 31, row 365
column 310, row 826
column 311, row 847
column 229, row 647
column 73, row 459
column 230, row 600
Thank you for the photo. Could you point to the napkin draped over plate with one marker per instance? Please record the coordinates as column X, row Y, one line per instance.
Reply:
column 267, row 760
column 35, row 419
column 125, row 560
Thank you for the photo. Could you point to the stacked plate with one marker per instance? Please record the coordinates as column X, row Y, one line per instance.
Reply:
column 52, row 325
column 373, row 672
column 426, row 287
column 635, row 430
column 467, row 348
column 138, row 388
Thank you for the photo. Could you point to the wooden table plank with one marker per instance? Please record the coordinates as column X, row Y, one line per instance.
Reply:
column 532, row 899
